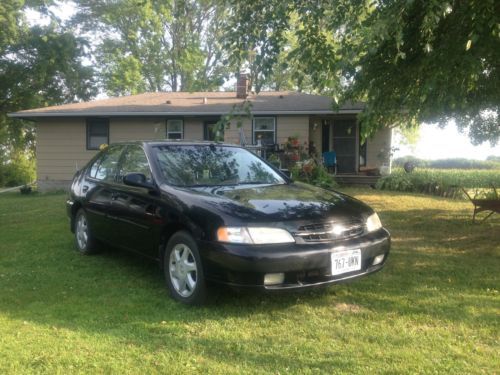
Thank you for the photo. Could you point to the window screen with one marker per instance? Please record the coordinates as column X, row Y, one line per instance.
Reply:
column 264, row 129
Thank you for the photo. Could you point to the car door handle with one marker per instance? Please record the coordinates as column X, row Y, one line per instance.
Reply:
column 85, row 188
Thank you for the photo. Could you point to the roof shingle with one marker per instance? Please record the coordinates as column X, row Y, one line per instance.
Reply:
column 195, row 103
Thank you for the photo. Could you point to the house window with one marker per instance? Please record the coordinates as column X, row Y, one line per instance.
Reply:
column 97, row 133
column 264, row 129
column 175, row 129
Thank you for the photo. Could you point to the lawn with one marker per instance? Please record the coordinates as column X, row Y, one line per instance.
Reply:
column 435, row 307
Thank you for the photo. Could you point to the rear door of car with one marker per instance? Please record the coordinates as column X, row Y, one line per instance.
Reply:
column 136, row 209
column 98, row 190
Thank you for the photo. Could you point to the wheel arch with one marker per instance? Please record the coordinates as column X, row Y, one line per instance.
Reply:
column 74, row 209
column 168, row 231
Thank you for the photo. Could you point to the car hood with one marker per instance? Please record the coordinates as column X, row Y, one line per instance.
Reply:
column 277, row 203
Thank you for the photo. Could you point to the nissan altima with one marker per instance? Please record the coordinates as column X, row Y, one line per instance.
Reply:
column 213, row 213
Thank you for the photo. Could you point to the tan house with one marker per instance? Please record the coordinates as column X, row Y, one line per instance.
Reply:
column 69, row 135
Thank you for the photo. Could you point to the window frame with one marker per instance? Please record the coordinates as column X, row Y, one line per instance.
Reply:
column 275, row 131
column 89, row 124
column 167, row 132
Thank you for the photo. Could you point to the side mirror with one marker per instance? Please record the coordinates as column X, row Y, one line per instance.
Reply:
column 137, row 180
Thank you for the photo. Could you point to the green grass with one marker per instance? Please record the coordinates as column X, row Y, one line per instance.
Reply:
column 434, row 308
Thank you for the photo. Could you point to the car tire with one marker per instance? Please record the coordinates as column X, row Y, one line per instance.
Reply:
column 84, row 240
column 183, row 270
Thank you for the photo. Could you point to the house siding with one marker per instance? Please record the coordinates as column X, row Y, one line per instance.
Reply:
column 292, row 126
column 62, row 145
column 286, row 126
column 193, row 129
column 61, row 151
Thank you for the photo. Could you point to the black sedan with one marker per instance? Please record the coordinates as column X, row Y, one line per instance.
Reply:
column 214, row 213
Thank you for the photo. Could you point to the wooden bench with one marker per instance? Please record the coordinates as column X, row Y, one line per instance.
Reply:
column 487, row 204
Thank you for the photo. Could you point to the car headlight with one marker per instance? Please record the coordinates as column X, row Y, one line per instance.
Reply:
column 254, row 235
column 373, row 223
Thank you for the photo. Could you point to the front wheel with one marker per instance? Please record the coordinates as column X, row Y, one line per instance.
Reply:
column 85, row 242
column 183, row 270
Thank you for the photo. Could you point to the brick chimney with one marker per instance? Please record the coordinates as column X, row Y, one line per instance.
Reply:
column 242, row 88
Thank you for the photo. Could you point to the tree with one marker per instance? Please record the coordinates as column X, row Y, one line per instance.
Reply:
column 155, row 45
column 409, row 61
column 39, row 66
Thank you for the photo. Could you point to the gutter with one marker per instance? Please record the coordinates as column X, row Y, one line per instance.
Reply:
column 161, row 114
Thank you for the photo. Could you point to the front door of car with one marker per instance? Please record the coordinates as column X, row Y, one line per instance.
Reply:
column 136, row 209
column 98, row 190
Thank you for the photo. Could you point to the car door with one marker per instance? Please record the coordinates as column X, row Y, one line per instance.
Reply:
column 98, row 190
column 136, row 209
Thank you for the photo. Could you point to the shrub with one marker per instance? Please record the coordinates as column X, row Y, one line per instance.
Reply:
column 313, row 173
column 17, row 171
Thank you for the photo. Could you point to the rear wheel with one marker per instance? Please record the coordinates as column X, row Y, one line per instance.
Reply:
column 85, row 242
column 183, row 270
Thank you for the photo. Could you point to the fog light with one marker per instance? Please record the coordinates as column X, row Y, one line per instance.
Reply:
column 378, row 259
column 274, row 278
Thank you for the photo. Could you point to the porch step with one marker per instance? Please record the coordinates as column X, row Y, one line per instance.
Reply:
column 344, row 179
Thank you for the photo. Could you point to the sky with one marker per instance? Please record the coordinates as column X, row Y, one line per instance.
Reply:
column 434, row 142
column 437, row 143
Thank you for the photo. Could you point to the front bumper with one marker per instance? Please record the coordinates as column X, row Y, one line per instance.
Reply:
column 304, row 265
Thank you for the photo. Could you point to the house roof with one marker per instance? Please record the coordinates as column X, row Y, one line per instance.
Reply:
column 193, row 104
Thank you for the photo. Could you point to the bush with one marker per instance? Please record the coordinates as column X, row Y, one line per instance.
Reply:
column 17, row 171
column 446, row 183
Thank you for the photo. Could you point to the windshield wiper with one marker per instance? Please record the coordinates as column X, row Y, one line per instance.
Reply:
column 255, row 183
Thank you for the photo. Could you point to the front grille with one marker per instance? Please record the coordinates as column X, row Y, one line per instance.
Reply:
column 320, row 232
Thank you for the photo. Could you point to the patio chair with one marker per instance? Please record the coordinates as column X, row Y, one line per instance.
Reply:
column 330, row 161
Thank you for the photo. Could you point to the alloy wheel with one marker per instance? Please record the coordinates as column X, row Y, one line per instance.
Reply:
column 183, row 270
column 82, row 234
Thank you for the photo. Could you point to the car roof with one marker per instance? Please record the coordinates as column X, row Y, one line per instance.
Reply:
column 167, row 142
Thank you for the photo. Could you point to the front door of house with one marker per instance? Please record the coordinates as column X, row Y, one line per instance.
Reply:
column 344, row 144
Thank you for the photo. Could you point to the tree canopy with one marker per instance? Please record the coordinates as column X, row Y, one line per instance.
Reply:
column 156, row 45
column 39, row 66
column 409, row 61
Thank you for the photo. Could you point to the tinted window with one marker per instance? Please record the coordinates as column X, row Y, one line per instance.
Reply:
column 108, row 163
column 213, row 165
column 134, row 161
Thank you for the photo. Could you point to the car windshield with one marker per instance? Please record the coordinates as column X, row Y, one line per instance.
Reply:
column 212, row 165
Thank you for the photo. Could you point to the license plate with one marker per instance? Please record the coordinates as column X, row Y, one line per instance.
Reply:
column 346, row 261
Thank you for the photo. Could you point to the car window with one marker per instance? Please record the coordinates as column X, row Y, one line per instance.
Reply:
column 134, row 161
column 108, row 163
column 94, row 167
column 212, row 165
